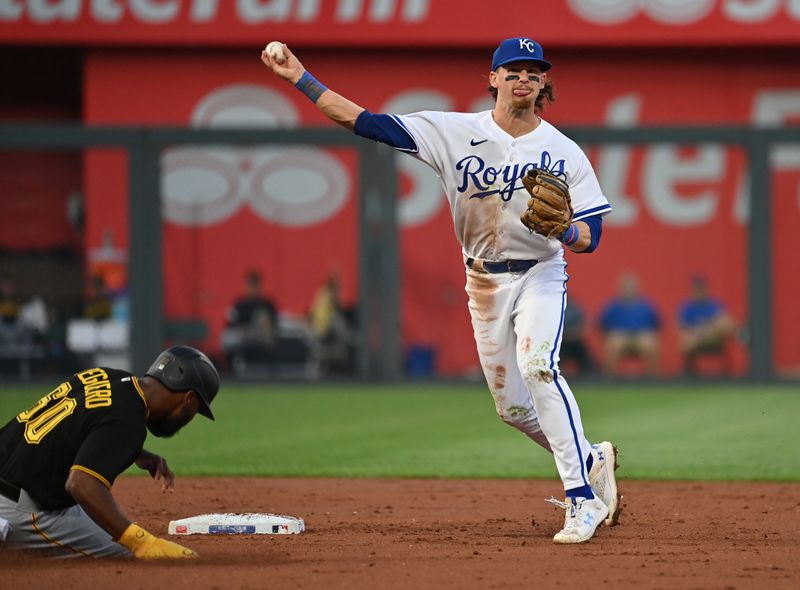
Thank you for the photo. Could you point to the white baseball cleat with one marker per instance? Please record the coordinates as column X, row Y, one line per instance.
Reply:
column 603, row 480
column 582, row 519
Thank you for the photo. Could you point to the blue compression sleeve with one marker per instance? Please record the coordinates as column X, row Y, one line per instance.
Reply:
column 595, row 224
column 385, row 129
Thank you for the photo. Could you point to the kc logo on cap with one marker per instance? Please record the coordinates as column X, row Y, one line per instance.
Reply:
column 519, row 49
column 527, row 44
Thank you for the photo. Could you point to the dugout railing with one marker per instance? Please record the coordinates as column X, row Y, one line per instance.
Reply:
column 379, row 323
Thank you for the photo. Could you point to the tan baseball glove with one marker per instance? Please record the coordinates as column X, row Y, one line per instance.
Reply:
column 549, row 211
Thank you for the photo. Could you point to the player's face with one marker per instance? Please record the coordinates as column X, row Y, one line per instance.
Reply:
column 518, row 83
column 179, row 417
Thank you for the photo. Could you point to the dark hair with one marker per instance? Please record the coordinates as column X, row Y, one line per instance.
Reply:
column 546, row 93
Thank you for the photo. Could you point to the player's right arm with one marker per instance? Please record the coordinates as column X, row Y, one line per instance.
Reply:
column 378, row 127
column 95, row 498
column 336, row 107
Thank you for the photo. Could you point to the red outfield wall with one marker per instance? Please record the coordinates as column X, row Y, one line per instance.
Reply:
column 678, row 211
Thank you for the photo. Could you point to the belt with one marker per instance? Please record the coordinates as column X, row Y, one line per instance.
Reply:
column 9, row 490
column 501, row 265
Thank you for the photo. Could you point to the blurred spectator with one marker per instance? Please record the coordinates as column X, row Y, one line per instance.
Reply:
column 10, row 306
column 252, row 326
column 705, row 326
column 573, row 342
column 99, row 302
column 34, row 320
column 333, row 329
column 630, row 325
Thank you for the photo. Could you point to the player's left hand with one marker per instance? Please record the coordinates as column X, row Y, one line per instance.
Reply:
column 549, row 211
column 158, row 469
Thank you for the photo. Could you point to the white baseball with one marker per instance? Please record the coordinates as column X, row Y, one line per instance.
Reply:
column 275, row 50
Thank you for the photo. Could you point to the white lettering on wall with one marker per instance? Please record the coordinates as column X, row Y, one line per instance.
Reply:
column 747, row 11
column 598, row 12
column 107, row 11
column 381, row 10
column 681, row 12
column 256, row 11
column 203, row 10
column 772, row 108
column 664, row 168
column 677, row 12
column 155, row 11
column 308, row 10
column 605, row 12
column 10, row 10
column 415, row 10
column 44, row 11
column 613, row 161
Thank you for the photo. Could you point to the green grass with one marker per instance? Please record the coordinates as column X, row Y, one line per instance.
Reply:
column 731, row 432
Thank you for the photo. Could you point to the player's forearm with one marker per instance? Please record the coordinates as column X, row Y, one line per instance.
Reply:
column 339, row 109
column 285, row 64
column 584, row 237
column 96, row 499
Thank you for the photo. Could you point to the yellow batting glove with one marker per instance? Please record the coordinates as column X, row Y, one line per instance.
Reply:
column 143, row 545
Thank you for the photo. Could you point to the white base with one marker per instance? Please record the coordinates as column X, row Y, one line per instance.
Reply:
column 251, row 523
column 5, row 528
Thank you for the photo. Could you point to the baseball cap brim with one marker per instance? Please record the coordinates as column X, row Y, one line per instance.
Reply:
column 543, row 65
column 204, row 409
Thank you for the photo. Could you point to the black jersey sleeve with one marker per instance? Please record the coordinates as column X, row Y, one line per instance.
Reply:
column 109, row 449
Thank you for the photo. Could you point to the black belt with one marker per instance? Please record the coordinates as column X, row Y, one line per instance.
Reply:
column 502, row 265
column 9, row 490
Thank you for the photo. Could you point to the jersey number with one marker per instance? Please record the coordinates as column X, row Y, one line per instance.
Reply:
column 39, row 421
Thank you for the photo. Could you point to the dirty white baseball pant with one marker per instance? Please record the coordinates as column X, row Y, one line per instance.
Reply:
column 518, row 324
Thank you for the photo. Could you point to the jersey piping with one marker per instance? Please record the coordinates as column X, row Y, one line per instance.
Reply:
column 135, row 381
column 94, row 474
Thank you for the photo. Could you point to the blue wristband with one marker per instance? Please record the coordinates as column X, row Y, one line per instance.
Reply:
column 571, row 235
column 310, row 86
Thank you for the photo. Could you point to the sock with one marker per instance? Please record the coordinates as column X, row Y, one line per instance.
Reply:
column 581, row 492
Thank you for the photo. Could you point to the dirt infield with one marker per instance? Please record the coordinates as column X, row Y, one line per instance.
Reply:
column 450, row 534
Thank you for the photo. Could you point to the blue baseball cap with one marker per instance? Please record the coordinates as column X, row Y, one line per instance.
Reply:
column 519, row 49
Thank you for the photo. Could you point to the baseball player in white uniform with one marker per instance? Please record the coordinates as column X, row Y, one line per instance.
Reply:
column 516, row 279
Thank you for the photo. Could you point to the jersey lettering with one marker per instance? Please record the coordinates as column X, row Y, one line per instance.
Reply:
column 39, row 420
column 92, row 376
column 97, row 390
column 98, row 395
column 483, row 182
column 475, row 173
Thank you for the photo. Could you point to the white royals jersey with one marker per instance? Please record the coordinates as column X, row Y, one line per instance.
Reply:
column 481, row 167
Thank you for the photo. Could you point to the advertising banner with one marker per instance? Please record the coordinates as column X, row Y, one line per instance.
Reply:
column 443, row 23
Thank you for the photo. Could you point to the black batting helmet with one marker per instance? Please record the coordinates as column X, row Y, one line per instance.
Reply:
column 181, row 368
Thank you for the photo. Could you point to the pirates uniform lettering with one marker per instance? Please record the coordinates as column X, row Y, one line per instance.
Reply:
column 92, row 376
column 98, row 395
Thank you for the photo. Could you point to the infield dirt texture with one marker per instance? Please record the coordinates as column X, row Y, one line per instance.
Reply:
column 372, row 531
